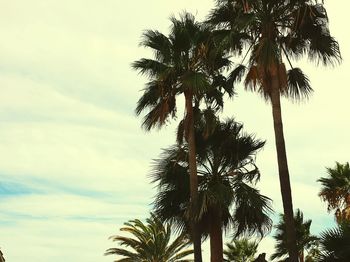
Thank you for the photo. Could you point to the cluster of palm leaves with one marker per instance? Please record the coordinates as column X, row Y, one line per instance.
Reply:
column 241, row 250
column 206, row 181
column 335, row 243
column 305, row 240
column 151, row 242
column 336, row 191
column 227, row 198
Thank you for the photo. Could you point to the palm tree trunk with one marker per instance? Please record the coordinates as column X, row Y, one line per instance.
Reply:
column 301, row 256
column 216, row 245
column 283, row 170
column 196, row 236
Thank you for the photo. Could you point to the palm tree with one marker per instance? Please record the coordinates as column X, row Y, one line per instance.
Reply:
column 150, row 243
column 241, row 250
column 226, row 173
column 335, row 244
column 186, row 63
column 274, row 32
column 336, row 190
column 305, row 240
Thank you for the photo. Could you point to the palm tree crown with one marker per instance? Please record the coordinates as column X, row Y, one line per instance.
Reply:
column 336, row 190
column 274, row 31
column 185, row 62
column 226, row 173
column 241, row 250
column 335, row 244
column 150, row 243
column 305, row 240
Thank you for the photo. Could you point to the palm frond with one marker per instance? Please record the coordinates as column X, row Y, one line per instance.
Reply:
column 298, row 85
column 160, row 113
column 252, row 211
column 159, row 43
column 335, row 244
column 336, row 187
column 325, row 49
column 149, row 67
column 305, row 240
column 237, row 74
column 195, row 81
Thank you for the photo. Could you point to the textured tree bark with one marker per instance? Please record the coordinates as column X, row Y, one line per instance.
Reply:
column 196, row 236
column 216, row 244
column 283, row 170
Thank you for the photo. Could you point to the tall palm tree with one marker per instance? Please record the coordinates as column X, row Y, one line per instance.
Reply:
column 150, row 243
column 336, row 190
column 226, row 173
column 335, row 244
column 240, row 250
column 305, row 240
column 186, row 63
column 273, row 32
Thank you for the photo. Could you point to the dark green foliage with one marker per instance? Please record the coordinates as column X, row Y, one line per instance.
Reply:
column 299, row 84
column 335, row 244
column 271, row 31
column 274, row 33
column 305, row 240
column 240, row 250
column 185, row 61
column 227, row 173
column 336, row 190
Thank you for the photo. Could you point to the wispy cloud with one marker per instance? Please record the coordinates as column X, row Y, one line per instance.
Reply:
column 73, row 157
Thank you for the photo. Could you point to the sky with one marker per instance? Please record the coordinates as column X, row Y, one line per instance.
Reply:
column 73, row 158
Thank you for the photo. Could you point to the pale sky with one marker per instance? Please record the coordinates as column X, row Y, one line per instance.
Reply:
column 74, row 160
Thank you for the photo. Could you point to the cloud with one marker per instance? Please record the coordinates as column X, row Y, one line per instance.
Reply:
column 74, row 160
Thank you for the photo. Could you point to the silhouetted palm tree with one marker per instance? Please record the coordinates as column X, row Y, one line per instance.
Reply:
column 335, row 244
column 226, row 173
column 186, row 63
column 240, row 250
column 150, row 242
column 305, row 240
column 274, row 32
column 336, row 190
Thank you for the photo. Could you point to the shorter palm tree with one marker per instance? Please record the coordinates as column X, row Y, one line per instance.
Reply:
column 150, row 243
column 240, row 250
column 305, row 240
column 335, row 244
column 227, row 175
column 336, row 190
